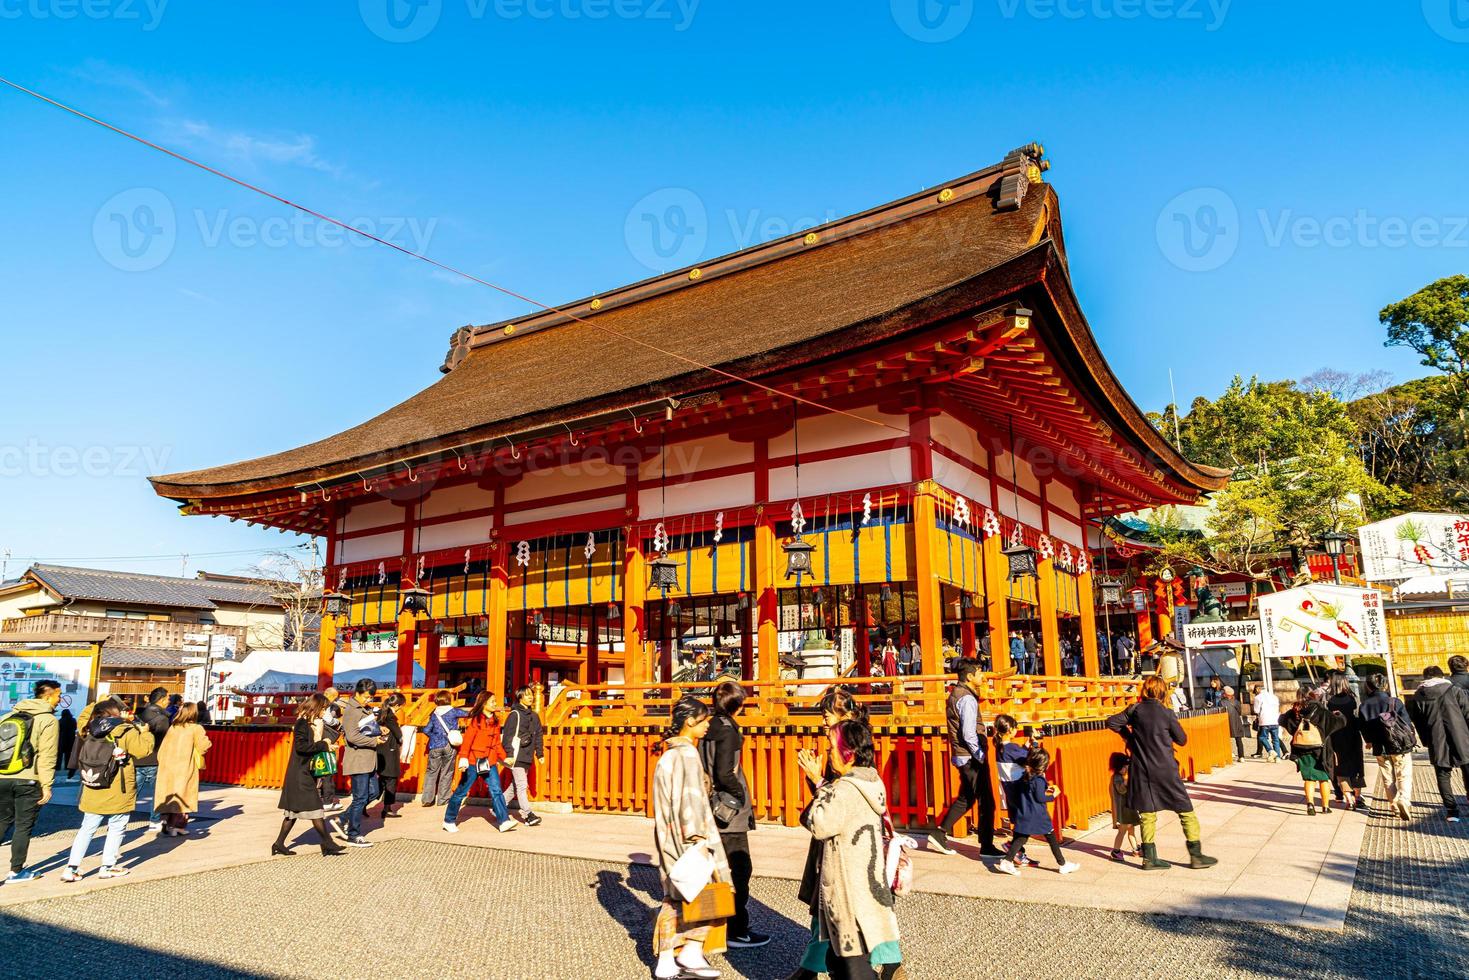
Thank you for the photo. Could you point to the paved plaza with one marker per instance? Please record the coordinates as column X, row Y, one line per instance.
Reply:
column 574, row 898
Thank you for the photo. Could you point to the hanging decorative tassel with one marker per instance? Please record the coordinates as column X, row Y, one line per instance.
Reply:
column 718, row 527
column 466, row 561
column 419, row 576
column 798, row 519
column 660, row 538
column 961, row 511
column 522, row 554
column 591, row 548
column 866, row 509
column 1047, row 547
column 382, row 573
column 1083, row 564
column 1066, row 558
column 342, row 581
column 991, row 523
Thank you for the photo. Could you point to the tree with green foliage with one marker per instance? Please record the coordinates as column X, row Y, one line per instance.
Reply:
column 1434, row 321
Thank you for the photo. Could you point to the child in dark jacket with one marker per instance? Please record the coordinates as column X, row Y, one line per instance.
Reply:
column 1010, row 766
column 1031, row 816
column 1125, row 819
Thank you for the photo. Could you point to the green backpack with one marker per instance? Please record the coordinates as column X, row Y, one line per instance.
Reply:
column 17, row 754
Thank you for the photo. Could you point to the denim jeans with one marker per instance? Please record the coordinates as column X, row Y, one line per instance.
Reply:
column 365, row 789
column 147, row 787
column 466, row 783
column 117, row 825
column 1270, row 739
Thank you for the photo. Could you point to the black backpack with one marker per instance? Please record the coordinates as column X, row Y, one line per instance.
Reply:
column 97, row 759
column 1399, row 735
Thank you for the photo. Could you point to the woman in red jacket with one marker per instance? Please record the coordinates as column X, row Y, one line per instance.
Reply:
column 480, row 755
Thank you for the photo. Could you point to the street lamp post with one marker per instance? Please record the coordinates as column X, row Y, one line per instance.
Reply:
column 1335, row 543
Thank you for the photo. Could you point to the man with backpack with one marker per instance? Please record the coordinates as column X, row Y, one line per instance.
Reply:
column 153, row 715
column 1440, row 712
column 108, row 763
column 28, row 738
column 1386, row 727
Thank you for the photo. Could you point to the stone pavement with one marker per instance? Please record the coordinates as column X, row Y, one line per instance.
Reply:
column 440, row 905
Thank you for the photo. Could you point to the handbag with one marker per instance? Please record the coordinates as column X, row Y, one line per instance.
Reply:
column 726, row 807
column 323, row 764
column 1308, row 736
column 693, row 870
column 714, row 901
column 899, row 864
column 454, row 735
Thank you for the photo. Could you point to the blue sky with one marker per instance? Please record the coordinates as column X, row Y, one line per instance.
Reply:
column 1243, row 185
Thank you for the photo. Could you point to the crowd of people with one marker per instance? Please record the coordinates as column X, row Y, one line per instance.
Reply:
column 148, row 756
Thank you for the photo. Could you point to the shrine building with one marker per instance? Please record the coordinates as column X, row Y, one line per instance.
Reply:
column 896, row 426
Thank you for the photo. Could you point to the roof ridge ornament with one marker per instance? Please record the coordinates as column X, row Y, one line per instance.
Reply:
column 1023, row 166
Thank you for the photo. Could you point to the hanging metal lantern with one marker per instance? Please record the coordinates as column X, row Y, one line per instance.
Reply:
column 665, row 573
column 415, row 600
column 1022, row 561
column 337, row 603
column 614, row 611
column 675, row 610
column 886, row 592
column 798, row 558
column 1111, row 592
column 743, row 601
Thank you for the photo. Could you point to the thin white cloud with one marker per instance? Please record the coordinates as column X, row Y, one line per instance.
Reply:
column 99, row 72
column 293, row 149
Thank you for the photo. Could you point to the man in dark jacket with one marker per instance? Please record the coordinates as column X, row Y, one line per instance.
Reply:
column 1459, row 672
column 967, row 752
column 1392, row 746
column 154, row 714
column 1440, row 712
column 1236, row 722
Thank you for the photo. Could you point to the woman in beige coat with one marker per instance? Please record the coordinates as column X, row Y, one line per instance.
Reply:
column 179, row 760
column 855, row 913
column 683, row 820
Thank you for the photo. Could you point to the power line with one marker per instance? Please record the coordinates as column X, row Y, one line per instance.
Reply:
column 174, row 556
column 440, row 265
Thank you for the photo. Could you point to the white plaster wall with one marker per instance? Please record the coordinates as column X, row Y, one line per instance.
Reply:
column 572, row 509
column 389, row 544
column 698, row 496
column 592, row 475
column 1024, row 475
column 372, row 513
column 950, row 432
column 698, row 455
column 962, row 480
column 843, row 474
column 455, row 500
column 476, row 530
column 1062, row 498
column 1030, row 512
column 831, row 431
column 1065, row 529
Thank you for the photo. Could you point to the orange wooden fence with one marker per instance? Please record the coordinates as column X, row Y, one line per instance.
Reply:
column 609, row 769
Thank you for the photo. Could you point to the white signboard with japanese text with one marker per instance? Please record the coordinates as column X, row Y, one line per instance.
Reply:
column 1411, row 545
column 1322, row 620
column 1233, row 633
column 76, row 672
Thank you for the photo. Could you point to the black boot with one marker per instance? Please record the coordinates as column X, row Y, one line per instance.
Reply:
column 1151, row 861
column 329, row 847
column 1197, row 858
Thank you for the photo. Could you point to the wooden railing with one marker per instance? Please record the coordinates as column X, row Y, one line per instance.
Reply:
column 891, row 700
column 608, row 768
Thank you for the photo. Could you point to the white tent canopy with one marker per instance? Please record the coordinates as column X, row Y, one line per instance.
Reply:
column 1447, row 586
column 289, row 671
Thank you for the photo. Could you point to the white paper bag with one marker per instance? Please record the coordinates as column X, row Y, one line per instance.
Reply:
column 410, row 736
column 692, row 871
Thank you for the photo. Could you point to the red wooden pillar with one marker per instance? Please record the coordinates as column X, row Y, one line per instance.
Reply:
column 747, row 640
column 431, row 658
column 407, row 643
column 593, row 673
column 966, row 639
column 862, row 620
